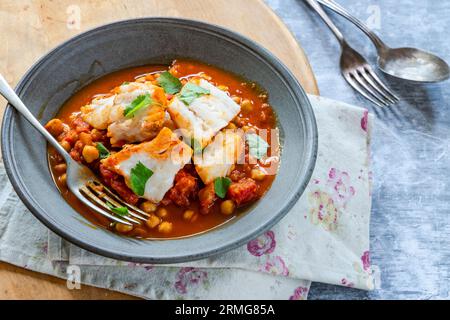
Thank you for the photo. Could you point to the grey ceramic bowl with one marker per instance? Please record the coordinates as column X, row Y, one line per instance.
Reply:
column 77, row 62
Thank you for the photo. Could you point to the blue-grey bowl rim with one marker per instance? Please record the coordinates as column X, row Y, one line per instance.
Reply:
column 11, row 171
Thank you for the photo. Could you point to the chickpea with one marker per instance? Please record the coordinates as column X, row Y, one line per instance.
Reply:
column 85, row 138
column 123, row 228
column 66, row 145
column 165, row 227
column 162, row 212
column 153, row 221
column 223, row 88
column 90, row 153
column 236, row 99
column 55, row 127
column 148, row 206
column 63, row 178
column 227, row 207
column 257, row 174
column 188, row 215
column 60, row 168
column 246, row 105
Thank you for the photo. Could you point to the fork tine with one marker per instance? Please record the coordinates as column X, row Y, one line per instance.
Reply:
column 130, row 206
column 369, row 89
column 378, row 80
column 91, row 196
column 358, row 88
column 115, row 200
column 99, row 210
column 375, row 86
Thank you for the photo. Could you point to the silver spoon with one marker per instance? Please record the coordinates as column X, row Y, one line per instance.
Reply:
column 404, row 63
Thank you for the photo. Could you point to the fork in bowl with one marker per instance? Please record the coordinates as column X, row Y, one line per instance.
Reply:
column 355, row 69
column 81, row 181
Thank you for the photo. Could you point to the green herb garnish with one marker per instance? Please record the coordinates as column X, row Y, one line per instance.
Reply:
column 103, row 152
column 140, row 102
column 196, row 146
column 120, row 211
column 190, row 92
column 257, row 145
column 139, row 177
column 221, row 186
column 169, row 83
column 125, row 83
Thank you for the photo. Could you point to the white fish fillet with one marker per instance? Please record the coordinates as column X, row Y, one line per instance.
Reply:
column 165, row 155
column 219, row 156
column 206, row 115
column 108, row 112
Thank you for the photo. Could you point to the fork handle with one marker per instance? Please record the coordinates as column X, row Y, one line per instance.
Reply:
column 316, row 6
column 380, row 45
column 9, row 94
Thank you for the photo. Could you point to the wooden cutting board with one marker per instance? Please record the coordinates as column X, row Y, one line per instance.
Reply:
column 29, row 28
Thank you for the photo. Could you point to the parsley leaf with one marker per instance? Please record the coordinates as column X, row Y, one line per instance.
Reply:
column 103, row 152
column 169, row 83
column 196, row 146
column 139, row 177
column 221, row 186
column 257, row 145
column 190, row 92
column 140, row 102
column 120, row 211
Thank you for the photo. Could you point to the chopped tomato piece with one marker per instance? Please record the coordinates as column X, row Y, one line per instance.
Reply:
column 80, row 125
column 207, row 197
column 243, row 192
column 117, row 182
column 184, row 190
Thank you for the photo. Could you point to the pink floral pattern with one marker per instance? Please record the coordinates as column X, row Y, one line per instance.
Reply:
column 264, row 244
column 347, row 283
column 339, row 183
column 323, row 210
column 189, row 276
column 365, row 259
column 276, row 266
column 365, row 120
column 299, row 294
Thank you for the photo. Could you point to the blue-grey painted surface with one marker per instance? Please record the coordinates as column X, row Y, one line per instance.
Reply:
column 410, row 227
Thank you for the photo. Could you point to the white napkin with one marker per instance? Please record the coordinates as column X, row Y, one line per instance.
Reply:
column 324, row 238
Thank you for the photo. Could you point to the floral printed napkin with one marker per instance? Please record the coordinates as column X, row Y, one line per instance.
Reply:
column 324, row 238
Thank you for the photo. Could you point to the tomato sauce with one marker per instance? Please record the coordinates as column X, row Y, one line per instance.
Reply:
column 260, row 116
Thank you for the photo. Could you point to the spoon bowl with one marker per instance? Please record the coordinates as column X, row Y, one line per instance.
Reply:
column 413, row 64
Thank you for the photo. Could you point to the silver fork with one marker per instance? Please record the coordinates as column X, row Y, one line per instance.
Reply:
column 81, row 181
column 355, row 69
